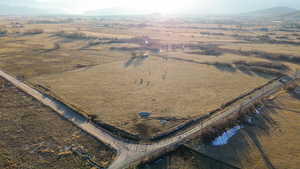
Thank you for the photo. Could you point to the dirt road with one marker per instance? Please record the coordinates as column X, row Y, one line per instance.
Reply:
column 129, row 154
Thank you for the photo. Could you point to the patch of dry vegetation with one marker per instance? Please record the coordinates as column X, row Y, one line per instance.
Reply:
column 33, row 136
column 266, row 140
column 152, row 84
column 115, row 69
column 3, row 32
column 74, row 35
column 186, row 158
column 33, row 32
column 268, row 68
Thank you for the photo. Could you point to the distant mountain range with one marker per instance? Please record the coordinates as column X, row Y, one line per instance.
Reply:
column 22, row 10
column 111, row 12
column 293, row 15
column 33, row 7
column 26, row 7
column 276, row 12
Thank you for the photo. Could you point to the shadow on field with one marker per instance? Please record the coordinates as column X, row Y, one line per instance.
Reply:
column 237, row 151
column 293, row 93
column 223, row 67
column 261, row 72
column 264, row 75
column 216, row 50
column 186, row 158
column 56, row 46
column 252, row 69
column 234, row 155
column 136, row 60
column 280, row 106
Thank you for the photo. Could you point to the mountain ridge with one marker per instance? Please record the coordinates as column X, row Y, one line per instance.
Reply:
column 8, row 9
column 271, row 12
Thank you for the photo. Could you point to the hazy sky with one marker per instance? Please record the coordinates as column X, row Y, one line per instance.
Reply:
column 162, row 6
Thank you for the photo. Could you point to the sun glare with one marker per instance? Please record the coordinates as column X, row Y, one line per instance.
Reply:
column 160, row 6
column 163, row 6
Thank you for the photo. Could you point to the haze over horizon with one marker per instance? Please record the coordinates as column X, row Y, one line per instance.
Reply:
column 155, row 6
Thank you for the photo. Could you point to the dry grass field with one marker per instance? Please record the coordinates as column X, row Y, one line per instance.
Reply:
column 186, row 158
column 270, row 142
column 165, row 88
column 33, row 136
column 115, row 69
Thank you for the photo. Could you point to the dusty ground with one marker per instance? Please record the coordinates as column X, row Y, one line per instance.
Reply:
column 174, row 69
column 33, row 136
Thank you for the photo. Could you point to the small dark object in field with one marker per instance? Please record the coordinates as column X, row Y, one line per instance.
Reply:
column 212, row 33
column 285, row 79
column 224, row 66
column 282, row 37
column 136, row 59
column 211, row 52
column 3, row 32
column 264, row 38
column 74, row 35
column 80, row 66
column 34, row 32
column 144, row 115
column 263, row 29
column 297, row 90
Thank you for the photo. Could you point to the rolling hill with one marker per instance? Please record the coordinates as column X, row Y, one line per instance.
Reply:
column 112, row 12
column 293, row 15
column 271, row 12
column 276, row 13
column 13, row 10
column 26, row 7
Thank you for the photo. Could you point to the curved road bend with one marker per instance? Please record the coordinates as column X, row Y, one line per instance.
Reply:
column 127, row 153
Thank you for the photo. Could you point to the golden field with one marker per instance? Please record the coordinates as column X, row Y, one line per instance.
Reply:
column 270, row 142
column 115, row 69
